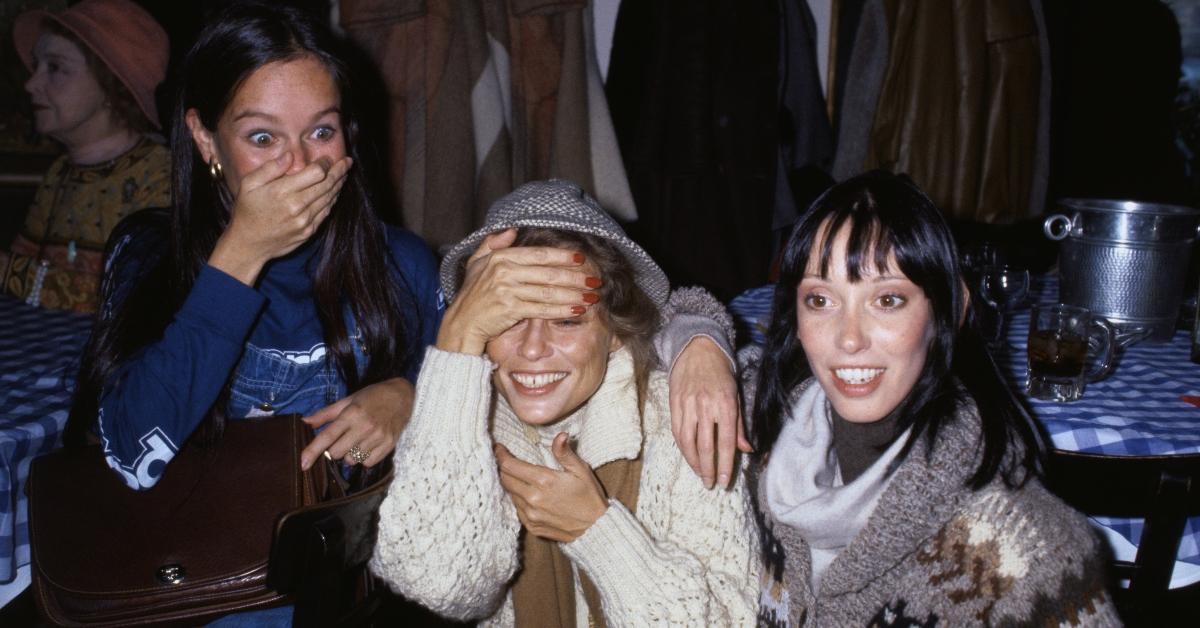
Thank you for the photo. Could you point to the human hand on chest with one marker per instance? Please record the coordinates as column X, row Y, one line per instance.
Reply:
column 551, row 504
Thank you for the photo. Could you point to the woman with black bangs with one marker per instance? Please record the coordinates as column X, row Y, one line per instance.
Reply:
column 898, row 479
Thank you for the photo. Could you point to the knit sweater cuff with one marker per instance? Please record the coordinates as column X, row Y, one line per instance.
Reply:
column 453, row 393
column 693, row 312
column 697, row 300
column 685, row 328
column 614, row 552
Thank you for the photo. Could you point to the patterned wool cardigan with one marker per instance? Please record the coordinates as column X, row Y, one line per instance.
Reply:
column 935, row 552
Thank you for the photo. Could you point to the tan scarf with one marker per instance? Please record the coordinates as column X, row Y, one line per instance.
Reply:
column 544, row 592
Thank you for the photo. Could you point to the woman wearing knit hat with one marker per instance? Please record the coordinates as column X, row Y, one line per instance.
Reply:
column 94, row 70
column 538, row 483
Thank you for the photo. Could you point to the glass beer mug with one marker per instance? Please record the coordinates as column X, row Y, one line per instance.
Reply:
column 1058, row 351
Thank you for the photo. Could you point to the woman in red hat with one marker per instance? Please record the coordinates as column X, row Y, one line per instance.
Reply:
column 94, row 69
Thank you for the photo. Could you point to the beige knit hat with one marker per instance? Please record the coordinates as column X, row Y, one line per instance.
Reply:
column 556, row 204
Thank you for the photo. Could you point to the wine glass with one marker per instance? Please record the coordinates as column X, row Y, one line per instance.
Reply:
column 1004, row 288
column 975, row 256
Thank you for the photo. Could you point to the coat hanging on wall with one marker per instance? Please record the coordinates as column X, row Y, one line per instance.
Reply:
column 693, row 90
column 962, row 105
column 485, row 96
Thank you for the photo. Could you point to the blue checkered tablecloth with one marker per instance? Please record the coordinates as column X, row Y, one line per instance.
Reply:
column 39, row 352
column 1136, row 411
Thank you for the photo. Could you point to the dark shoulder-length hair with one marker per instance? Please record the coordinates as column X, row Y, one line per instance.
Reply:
column 354, row 268
column 887, row 215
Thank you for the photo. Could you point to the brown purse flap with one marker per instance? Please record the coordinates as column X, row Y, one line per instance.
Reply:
column 93, row 538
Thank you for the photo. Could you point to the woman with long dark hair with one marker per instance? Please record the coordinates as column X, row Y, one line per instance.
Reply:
column 896, row 477
column 271, row 286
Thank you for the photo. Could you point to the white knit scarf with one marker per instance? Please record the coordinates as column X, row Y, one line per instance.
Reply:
column 804, row 485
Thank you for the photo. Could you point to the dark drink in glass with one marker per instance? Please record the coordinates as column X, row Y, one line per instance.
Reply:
column 1055, row 353
column 1058, row 351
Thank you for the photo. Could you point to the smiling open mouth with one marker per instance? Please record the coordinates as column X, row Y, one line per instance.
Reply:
column 857, row 376
column 537, row 380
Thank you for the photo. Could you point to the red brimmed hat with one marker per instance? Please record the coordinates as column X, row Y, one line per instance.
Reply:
column 126, row 38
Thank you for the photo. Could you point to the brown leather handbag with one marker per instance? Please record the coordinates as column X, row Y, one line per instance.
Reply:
column 194, row 547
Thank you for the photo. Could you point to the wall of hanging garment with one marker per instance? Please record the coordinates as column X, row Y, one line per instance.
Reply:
column 726, row 133
column 961, row 106
column 485, row 96
column 805, row 139
column 692, row 86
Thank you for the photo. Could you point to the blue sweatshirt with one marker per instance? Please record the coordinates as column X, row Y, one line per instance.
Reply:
column 267, row 337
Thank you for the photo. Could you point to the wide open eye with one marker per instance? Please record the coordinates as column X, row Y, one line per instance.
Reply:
column 261, row 138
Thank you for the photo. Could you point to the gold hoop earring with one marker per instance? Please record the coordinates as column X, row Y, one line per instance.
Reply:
column 214, row 169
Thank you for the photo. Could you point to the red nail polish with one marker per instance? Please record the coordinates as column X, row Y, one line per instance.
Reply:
column 590, row 297
column 592, row 282
column 578, row 309
column 578, row 258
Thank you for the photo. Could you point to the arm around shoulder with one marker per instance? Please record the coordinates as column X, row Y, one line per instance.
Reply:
column 696, row 344
column 691, row 313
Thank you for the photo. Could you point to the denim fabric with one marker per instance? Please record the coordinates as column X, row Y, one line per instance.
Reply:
column 269, row 381
column 278, row 617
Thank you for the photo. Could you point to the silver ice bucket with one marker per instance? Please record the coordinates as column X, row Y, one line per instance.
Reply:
column 1124, row 260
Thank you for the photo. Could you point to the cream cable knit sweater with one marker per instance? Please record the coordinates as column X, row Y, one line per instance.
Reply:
column 448, row 532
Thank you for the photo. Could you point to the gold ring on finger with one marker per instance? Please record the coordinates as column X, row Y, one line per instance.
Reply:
column 358, row 455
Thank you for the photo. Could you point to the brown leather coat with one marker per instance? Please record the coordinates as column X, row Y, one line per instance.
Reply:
column 959, row 106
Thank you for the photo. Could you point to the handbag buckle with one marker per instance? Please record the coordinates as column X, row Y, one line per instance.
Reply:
column 171, row 574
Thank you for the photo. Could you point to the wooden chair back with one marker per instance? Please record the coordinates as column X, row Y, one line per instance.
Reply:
column 1163, row 490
